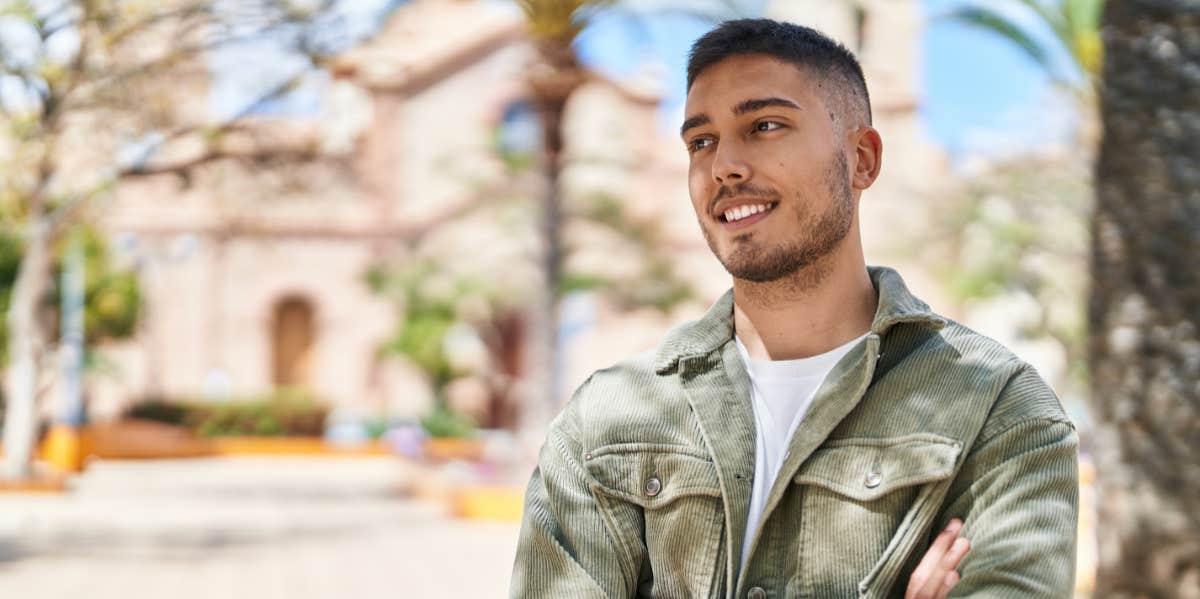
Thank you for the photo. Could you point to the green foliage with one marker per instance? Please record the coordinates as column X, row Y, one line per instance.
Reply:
column 422, row 341
column 660, row 287
column 112, row 297
column 572, row 282
column 1021, row 231
column 283, row 413
column 656, row 284
column 375, row 428
column 161, row 410
column 429, row 300
column 443, row 422
column 10, row 262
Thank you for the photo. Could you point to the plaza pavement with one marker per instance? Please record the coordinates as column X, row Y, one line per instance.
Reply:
column 252, row 528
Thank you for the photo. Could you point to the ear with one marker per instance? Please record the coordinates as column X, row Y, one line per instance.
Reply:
column 868, row 156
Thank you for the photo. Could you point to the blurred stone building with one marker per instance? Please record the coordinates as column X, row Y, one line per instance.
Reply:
column 254, row 277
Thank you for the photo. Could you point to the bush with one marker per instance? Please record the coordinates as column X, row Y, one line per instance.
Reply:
column 280, row 414
column 446, row 423
column 160, row 410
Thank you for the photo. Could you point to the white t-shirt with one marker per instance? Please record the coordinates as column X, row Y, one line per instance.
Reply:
column 780, row 393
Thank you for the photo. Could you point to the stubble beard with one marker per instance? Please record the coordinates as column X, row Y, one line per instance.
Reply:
column 818, row 235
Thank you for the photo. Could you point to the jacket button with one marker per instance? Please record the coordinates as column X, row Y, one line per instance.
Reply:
column 756, row 593
column 653, row 486
column 873, row 479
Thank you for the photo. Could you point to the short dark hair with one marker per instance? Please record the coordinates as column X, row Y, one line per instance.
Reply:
column 803, row 46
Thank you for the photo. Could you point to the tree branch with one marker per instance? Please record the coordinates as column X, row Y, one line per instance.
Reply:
column 188, row 11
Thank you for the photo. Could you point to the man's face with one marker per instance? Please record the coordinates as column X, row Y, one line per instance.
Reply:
column 768, row 174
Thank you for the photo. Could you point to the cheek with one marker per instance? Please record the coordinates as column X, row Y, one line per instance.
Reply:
column 699, row 189
column 803, row 175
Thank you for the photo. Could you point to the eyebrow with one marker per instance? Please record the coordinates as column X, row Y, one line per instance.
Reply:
column 761, row 103
column 694, row 122
column 742, row 108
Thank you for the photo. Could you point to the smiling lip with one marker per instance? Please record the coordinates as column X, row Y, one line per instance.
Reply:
column 747, row 221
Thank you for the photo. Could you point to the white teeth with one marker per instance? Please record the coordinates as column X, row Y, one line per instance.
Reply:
column 740, row 212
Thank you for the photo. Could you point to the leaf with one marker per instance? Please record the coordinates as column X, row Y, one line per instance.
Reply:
column 1001, row 25
column 1053, row 16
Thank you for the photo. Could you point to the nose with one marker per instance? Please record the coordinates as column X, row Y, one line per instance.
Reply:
column 728, row 167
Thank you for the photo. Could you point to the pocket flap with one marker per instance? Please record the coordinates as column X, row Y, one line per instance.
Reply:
column 868, row 468
column 652, row 475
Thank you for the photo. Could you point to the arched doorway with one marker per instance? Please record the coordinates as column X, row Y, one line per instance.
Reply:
column 293, row 333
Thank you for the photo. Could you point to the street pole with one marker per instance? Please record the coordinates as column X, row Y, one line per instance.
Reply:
column 64, row 446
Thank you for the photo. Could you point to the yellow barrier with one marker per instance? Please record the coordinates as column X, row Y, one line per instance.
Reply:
column 489, row 503
column 64, row 448
column 308, row 446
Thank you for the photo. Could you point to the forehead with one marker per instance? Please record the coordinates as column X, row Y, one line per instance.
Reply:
column 728, row 82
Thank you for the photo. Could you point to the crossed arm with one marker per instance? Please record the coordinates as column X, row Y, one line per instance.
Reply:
column 1015, row 497
column 1020, row 515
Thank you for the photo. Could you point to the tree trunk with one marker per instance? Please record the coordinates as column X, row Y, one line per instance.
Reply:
column 551, row 83
column 545, row 320
column 26, row 340
column 1144, row 309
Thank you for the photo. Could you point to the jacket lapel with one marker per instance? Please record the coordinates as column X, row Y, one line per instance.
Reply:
column 714, row 379
column 717, row 388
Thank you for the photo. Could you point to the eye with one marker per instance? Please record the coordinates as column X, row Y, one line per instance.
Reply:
column 698, row 144
column 764, row 126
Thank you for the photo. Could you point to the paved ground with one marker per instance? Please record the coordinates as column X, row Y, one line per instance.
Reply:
column 254, row 528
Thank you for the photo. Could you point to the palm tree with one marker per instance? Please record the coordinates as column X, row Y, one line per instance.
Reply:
column 1144, row 308
column 554, row 25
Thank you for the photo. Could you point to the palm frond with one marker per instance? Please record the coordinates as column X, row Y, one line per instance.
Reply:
column 999, row 24
column 559, row 19
column 1051, row 14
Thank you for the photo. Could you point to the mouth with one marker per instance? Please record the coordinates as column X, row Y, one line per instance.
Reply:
column 742, row 216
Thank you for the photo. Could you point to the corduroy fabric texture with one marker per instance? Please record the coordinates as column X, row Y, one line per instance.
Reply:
column 643, row 485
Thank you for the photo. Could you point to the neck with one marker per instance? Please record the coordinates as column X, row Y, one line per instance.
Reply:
column 820, row 307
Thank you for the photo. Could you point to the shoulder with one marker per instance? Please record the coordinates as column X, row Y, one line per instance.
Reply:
column 1019, row 392
column 632, row 401
column 621, row 386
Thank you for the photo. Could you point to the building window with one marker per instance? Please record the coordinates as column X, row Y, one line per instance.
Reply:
column 518, row 135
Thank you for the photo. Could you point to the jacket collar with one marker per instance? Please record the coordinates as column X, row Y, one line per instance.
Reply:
column 697, row 338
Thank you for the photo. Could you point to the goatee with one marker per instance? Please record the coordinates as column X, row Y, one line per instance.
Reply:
column 817, row 234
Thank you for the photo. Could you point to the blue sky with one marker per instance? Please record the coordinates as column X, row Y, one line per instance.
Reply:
column 983, row 96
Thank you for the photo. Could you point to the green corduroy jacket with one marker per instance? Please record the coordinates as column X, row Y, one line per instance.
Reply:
column 643, row 484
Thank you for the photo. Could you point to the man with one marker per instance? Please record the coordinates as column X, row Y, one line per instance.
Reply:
column 820, row 432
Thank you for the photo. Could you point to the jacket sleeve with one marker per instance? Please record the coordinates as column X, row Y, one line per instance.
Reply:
column 1018, row 496
column 564, row 549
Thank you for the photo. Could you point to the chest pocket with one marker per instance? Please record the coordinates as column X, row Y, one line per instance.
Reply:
column 862, row 498
column 662, row 504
